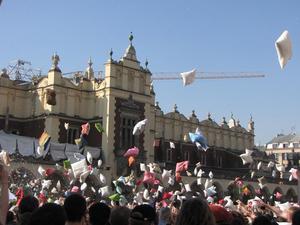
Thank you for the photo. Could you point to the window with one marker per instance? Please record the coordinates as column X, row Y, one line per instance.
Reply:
column 284, row 156
column 296, row 145
column 169, row 155
column 127, row 138
column 203, row 159
column 290, row 156
column 219, row 161
column 186, row 156
column 73, row 133
column 276, row 156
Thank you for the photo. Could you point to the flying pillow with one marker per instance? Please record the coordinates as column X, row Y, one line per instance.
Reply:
column 139, row 127
column 284, row 48
column 188, row 77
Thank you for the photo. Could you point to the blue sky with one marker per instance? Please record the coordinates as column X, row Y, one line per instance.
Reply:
column 211, row 36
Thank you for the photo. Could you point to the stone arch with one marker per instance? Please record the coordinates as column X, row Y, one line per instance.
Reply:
column 219, row 189
column 251, row 191
column 291, row 195
column 277, row 189
column 265, row 194
column 248, row 192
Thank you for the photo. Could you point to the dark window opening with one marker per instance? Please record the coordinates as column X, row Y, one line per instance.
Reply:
column 127, row 138
column 73, row 133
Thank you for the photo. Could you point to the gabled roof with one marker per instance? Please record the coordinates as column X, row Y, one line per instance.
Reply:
column 172, row 115
column 281, row 138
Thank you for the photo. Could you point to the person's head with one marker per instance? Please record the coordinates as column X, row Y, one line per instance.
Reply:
column 238, row 218
column 75, row 207
column 222, row 216
column 262, row 220
column 290, row 212
column 120, row 216
column 143, row 215
column 195, row 211
column 164, row 214
column 48, row 214
column 296, row 217
column 28, row 204
column 10, row 216
column 99, row 213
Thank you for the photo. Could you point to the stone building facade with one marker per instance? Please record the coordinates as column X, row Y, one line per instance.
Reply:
column 118, row 100
column 285, row 149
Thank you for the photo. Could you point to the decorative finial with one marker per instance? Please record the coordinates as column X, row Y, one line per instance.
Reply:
column 90, row 63
column 251, row 124
column 55, row 59
column 193, row 113
column 111, row 53
column 89, row 70
column 130, row 38
column 157, row 105
column 175, row 108
column 224, row 120
column 209, row 116
column 146, row 63
column 4, row 73
column 231, row 115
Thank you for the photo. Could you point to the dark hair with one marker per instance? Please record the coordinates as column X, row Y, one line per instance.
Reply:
column 75, row 207
column 195, row 212
column 28, row 204
column 48, row 214
column 261, row 220
column 10, row 216
column 143, row 215
column 296, row 217
column 238, row 218
column 120, row 216
column 99, row 213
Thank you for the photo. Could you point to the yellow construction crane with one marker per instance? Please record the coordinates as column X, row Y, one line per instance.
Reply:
column 208, row 75
column 199, row 75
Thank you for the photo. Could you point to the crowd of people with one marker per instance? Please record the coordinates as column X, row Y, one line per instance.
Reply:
column 73, row 208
